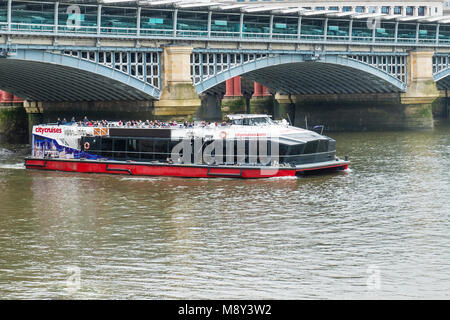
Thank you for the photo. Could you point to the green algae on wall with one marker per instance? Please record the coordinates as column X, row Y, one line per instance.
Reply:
column 13, row 124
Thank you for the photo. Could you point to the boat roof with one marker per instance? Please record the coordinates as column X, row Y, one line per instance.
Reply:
column 246, row 116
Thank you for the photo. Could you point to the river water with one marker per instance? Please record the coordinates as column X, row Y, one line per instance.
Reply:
column 378, row 231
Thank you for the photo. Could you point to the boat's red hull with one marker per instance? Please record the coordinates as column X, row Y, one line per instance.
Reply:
column 192, row 171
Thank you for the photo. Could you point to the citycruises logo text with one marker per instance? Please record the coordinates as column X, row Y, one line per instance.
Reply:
column 48, row 130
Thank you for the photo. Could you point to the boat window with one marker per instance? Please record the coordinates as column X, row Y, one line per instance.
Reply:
column 296, row 149
column 119, row 149
column 147, row 149
column 132, row 149
column 252, row 121
column 239, row 151
column 283, row 152
column 160, row 149
column 257, row 121
column 331, row 145
column 106, row 147
column 174, row 143
column 283, row 149
column 323, row 146
column 311, row 146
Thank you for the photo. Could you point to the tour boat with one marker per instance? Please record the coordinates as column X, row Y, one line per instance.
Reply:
column 246, row 146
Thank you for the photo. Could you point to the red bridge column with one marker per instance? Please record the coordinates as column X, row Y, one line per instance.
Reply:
column 257, row 89
column 233, row 100
column 237, row 86
column 8, row 98
column 262, row 100
column 17, row 99
column 265, row 91
column 229, row 91
column 233, row 87
column 260, row 90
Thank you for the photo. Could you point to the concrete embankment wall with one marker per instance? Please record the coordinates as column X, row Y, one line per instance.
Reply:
column 13, row 124
column 368, row 112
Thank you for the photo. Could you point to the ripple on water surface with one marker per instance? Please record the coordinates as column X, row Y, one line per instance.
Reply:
column 378, row 230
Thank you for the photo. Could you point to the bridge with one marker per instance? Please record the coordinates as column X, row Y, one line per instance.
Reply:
column 177, row 58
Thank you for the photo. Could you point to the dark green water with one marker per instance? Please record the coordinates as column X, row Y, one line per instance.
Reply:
column 381, row 230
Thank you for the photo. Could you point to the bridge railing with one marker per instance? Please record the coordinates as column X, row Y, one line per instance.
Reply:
column 192, row 33
column 284, row 36
column 155, row 32
column 384, row 40
column 81, row 29
column 224, row 34
column 32, row 27
column 255, row 35
column 118, row 31
column 205, row 35
column 21, row 17
column 363, row 38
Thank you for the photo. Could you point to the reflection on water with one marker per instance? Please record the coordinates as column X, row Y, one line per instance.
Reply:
column 379, row 230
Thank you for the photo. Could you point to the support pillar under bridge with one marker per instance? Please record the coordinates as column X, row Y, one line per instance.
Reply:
column 178, row 100
column 233, row 100
column 262, row 101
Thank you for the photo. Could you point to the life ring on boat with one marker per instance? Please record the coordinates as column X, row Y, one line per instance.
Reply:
column 223, row 135
column 86, row 146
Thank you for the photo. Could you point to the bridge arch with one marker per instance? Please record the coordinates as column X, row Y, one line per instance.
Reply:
column 307, row 74
column 39, row 75
column 442, row 79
